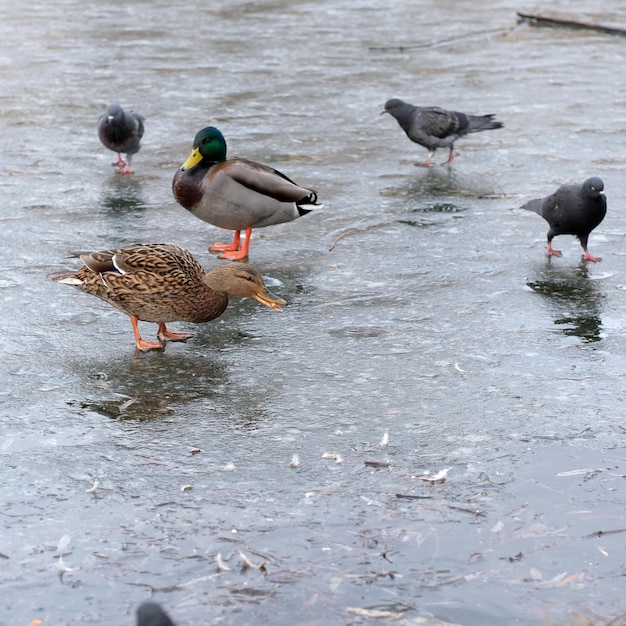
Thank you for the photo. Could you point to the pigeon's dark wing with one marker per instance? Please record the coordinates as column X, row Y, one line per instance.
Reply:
column 440, row 123
column 151, row 614
column 138, row 124
column 566, row 213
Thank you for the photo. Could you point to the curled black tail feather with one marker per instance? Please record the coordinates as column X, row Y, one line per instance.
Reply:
column 307, row 204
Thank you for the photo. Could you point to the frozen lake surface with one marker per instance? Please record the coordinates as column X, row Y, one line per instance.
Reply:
column 426, row 330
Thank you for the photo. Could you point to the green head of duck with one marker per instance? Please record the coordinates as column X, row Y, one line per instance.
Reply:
column 208, row 144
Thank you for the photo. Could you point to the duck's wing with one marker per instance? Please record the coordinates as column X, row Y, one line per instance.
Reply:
column 264, row 180
column 150, row 258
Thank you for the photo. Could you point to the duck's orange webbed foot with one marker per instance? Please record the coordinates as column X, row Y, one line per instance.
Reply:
column 142, row 344
column 232, row 251
column 146, row 346
column 239, row 255
column 167, row 335
column 228, row 247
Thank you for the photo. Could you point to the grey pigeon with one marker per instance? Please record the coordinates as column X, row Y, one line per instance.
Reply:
column 121, row 132
column 151, row 614
column 434, row 128
column 572, row 210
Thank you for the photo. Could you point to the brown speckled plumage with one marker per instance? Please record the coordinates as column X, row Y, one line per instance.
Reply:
column 164, row 283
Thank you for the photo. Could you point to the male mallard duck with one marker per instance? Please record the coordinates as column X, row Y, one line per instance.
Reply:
column 434, row 128
column 121, row 132
column 572, row 210
column 236, row 194
column 158, row 282
column 151, row 614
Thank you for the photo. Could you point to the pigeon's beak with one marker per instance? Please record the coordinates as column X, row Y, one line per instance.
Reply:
column 383, row 112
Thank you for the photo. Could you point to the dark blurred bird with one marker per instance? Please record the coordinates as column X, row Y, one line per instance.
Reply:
column 572, row 210
column 434, row 128
column 151, row 614
column 121, row 132
column 158, row 282
column 236, row 194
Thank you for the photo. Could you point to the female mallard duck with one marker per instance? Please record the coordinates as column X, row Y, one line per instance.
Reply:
column 158, row 282
column 121, row 132
column 236, row 194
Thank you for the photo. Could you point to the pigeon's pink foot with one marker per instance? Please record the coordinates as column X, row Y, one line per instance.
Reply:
column 427, row 163
column 450, row 158
column 552, row 251
column 125, row 170
column 120, row 162
column 589, row 257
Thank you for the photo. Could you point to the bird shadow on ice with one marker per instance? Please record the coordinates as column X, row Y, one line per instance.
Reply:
column 575, row 299
column 429, row 198
column 149, row 386
column 122, row 195
column 123, row 208
column 440, row 182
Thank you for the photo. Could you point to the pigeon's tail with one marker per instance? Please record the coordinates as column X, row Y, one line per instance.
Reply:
column 534, row 205
column 482, row 122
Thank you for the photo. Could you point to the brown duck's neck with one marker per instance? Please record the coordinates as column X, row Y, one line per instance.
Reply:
column 208, row 306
